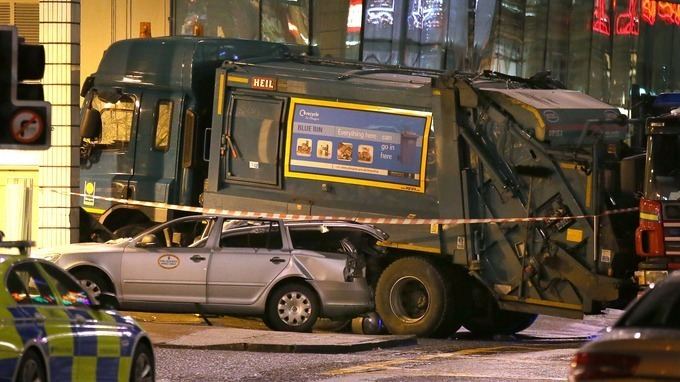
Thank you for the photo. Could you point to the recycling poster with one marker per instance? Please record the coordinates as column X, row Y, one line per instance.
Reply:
column 358, row 144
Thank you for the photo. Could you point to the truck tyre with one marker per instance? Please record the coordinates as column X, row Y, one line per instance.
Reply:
column 485, row 318
column 414, row 297
column 292, row 307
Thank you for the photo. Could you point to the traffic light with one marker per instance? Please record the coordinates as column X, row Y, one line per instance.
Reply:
column 24, row 115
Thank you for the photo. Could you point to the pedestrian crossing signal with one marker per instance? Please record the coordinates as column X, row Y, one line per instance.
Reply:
column 24, row 115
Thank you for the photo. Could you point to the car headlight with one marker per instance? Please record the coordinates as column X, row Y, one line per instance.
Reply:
column 53, row 257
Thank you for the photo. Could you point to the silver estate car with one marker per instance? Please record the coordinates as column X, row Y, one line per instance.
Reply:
column 289, row 273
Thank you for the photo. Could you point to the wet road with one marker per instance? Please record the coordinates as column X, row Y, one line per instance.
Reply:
column 540, row 353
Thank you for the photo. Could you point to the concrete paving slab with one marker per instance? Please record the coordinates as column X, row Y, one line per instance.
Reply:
column 221, row 338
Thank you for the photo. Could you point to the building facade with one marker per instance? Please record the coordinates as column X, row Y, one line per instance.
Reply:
column 606, row 48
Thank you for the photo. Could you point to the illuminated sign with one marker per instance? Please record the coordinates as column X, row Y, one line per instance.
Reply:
column 263, row 83
column 357, row 144
column 354, row 16
column 600, row 18
column 628, row 22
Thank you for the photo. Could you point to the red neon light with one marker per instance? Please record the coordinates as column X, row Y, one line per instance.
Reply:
column 649, row 11
column 653, row 10
column 628, row 23
column 600, row 19
column 668, row 12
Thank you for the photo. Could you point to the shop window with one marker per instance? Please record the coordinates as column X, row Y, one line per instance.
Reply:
column 285, row 21
column 163, row 121
column 25, row 15
column 218, row 18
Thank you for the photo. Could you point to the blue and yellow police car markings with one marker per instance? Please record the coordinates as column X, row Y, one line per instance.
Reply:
column 11, row 343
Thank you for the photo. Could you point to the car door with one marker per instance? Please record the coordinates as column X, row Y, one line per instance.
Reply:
column 169, row 264
column 250, row 255
column 97, row 338
column 38, row 315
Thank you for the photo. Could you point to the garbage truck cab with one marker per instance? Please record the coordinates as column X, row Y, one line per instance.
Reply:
column 144, row 119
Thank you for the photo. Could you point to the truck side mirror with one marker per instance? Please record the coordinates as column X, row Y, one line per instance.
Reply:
column 91, row 123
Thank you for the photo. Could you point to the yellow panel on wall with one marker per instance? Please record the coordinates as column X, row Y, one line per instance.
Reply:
column 19, row 203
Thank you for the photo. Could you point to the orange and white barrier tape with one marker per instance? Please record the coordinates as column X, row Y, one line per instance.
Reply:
column 265, row 215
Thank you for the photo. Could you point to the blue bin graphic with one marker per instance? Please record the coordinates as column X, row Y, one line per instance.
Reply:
column 409, row 150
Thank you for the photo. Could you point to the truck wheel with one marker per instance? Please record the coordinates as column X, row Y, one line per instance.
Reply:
column 414, row 297
column 292, row 307
column 486, row 318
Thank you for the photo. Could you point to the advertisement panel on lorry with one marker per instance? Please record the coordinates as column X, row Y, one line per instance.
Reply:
column 333, row 141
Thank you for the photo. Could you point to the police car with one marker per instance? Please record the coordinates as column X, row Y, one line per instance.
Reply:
column 52, row 330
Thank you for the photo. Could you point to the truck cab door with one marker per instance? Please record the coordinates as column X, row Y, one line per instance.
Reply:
column 107, row 157
column 155, row 168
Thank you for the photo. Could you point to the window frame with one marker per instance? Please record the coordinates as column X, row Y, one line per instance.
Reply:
column 228, row 129
column 38, row 272
column 135, row 112
column 45, row 268
column 247, row 230
column 157, row 119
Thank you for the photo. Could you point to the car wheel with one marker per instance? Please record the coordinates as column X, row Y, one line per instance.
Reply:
column 292, row 307
column 31, row 368
column 413, row 296
column 93, row 282
column 142, row 364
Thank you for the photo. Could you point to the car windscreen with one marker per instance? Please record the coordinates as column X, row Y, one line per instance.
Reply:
column 660, row 308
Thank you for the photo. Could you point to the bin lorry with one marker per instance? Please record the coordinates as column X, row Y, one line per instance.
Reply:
column 263, row 129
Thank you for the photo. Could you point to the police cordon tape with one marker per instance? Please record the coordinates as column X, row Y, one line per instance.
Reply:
column 266, row 215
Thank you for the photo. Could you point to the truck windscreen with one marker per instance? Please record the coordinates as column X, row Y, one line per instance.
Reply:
column 662, row 173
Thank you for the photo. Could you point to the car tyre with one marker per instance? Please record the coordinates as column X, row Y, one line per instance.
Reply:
column 143, row 365
column 31, row 368
column 292, row 307
column 94, row 282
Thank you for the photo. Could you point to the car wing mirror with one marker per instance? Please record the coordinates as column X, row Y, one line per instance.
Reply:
column 148, row 241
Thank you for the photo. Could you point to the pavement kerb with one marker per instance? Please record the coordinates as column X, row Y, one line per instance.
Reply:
column 180, row 336
column 300, row 348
